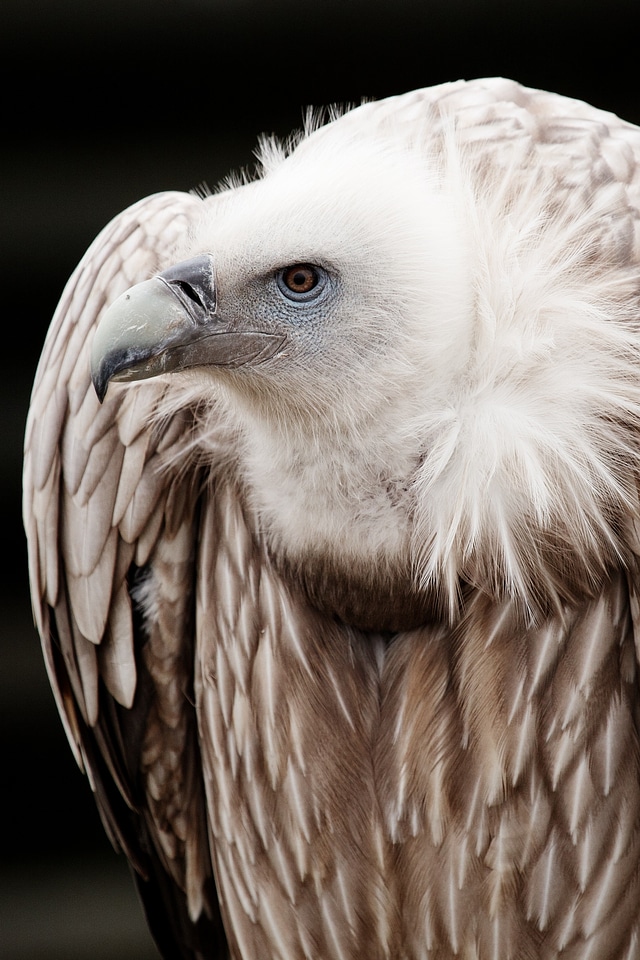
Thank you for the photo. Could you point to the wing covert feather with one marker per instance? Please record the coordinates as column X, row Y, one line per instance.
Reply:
column 98, row 506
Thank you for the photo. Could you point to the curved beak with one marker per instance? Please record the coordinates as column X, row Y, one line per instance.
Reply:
column 171, row 322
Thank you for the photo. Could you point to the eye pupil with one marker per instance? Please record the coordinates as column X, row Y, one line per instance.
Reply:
column 300, row 278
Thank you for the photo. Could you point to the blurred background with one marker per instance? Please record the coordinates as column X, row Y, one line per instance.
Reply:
column 104, row 102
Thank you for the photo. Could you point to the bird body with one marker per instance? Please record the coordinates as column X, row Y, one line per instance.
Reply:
column 339, row 597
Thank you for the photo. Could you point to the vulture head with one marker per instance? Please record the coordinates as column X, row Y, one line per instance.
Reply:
column 423, row 395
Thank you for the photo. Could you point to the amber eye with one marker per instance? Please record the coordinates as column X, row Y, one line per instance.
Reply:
column 301, row 281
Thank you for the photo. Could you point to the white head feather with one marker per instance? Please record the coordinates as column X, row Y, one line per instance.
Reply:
column 465, row 410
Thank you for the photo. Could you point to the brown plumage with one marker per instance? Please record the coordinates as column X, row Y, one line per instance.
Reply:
column 340, row 622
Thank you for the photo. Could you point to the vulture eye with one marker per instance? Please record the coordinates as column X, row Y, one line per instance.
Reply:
column 301, row 281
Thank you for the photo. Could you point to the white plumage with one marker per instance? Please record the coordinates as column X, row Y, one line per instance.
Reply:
column 339, row 602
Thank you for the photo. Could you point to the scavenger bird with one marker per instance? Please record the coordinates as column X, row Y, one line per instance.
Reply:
column 331, row 495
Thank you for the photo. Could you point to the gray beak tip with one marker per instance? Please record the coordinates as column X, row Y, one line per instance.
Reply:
column 100, row 385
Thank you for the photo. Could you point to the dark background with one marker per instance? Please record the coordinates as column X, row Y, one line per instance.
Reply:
column 106, row 101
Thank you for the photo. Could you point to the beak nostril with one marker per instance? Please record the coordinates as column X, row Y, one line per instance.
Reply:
column 192, row 283
column 188, row 291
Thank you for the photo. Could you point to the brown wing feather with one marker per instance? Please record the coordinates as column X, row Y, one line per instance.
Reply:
column 98, row 510
column 288, row 706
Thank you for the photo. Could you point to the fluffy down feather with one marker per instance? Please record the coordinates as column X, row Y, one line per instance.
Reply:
column 343, row 631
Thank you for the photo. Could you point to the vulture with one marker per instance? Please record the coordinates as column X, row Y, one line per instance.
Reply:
column 332, row 498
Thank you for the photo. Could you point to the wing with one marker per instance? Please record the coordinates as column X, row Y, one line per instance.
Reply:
column 103, row 523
